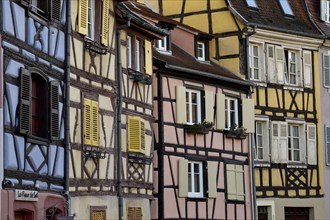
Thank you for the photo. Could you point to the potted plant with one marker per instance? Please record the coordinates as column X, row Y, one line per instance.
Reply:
column 236, row 132
column 200, row 128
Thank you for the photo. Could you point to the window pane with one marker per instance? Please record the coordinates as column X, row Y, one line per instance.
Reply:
column 260, row 153
column 194, row 113
column 296, row 155
column 286, row 7
column 189, row 181
column 259, row 128
column 252, row 3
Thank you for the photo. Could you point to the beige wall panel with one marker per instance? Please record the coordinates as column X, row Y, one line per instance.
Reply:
column 229, row 46
column 105, row 65
column 141, row 96
column 148, row 95
column 78, row 52
column 84, row 80
column 153, row 5
column 90, row 167
column 112, row 68
column 216, row 4
column 74, row 14
column 148, row 141
column 292, row 193
column 75, row 94
column 299, row 101
column 87, row 62
column 314, row 178
column 172, row 7
column 310, row 106
column 105, row 102
column 123, row 55
column 111, row 171
column 96, row 84
column 276, row 177
column 199, row 22
column 73, row 76
column 103, row 167
column 75, row 125
column 227, row 26
column 195, row 6
column 106, row 131
column 124, row 140
column 270, row 193
column 76, row 158
column 231, row 64
column 265, row 177
column 262, row 97
column 97, row 61
column 124, row 168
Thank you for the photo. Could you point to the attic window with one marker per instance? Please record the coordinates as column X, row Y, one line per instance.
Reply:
column 286, row 7
column 252, row 3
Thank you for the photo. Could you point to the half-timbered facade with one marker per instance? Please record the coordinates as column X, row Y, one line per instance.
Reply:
column 274, row 44
column 32, row 132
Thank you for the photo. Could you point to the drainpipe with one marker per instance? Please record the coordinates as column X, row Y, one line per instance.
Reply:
column 67, row 107
column 119, row 113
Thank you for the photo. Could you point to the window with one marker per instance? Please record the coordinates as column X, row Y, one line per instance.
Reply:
column 326, row 70
column 261, row 140
column 39, row 109
column 195, row 179
column 201, row 54
column 255, row 62
column 293, row 143
column 45, row 9
column 136, row 134
column 286, row 7
column 327, row 143
column 163, row 44
column 252, row 3
column 193, row 106
column 91, row 122
column 325, row 10
column 134, row 213
column 291, row 67
column 235, row 182
column 98, row 212
column 231, row 112
column 93, row 20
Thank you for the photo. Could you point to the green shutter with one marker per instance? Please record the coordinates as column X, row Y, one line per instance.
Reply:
column 25, row 102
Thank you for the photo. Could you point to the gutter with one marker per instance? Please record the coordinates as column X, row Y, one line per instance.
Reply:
column 67, row 107
column 209, row 75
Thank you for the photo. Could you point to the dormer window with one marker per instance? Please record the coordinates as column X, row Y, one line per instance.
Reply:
column 201, row 51
column 162, row 44
column 325, row 10
column 252, row 3
column 286, row 7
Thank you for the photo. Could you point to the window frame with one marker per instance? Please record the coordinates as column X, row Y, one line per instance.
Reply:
column 189, row 119
column 251, row 60
column 327, row 143
column 53, row 9
column 265, row 139
column 91, row 20
column 324, row 68
column 254, row 4
column 288, row 74
column 135, row 56
column 162, row 44
column 228, row 121
column 291, row 143
column 286, row 7
column 201, row 51
column 191, row 183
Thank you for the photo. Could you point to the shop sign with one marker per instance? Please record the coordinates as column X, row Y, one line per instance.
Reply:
column 26, row 195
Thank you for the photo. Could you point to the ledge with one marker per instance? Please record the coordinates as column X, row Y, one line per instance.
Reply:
column 138, row 158
column 139, row 77
column 91, row 45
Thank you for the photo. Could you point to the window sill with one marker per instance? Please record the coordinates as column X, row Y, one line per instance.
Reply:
column 296, row 165
column 190, row 198
column 198, row 128
column 37, row 140
column 165, row 52
column 94, row 152
column 139, row 77
column 260, row 84
column 93, row 46
column 139, row 158
column 294, row 88
column 234, row 134
column 259, row 163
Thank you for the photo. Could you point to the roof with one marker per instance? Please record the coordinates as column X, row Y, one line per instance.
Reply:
column 269, row 15
column 313, row 7
column 182, row 61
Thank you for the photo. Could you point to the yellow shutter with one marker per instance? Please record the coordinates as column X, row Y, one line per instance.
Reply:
column 105, row 22
column 148, row 57
column 136, row 134
column 83, row 16
column 87, row 121
column 95, row 123
column 143, row 132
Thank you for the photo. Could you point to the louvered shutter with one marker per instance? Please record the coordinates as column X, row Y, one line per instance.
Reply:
column 283, row 142
column 136, row 134
column 148, row 57
column 142, row 133
column 311, row 144
column 231, row 181
column 323, row 10
column 327, row 142
column 220, row 107
column 209, row 106
column 183, row 178
column 105, row 22
column 54, row 110
column 212, row 168
column 83, row 16
column 87, row 121
column 25, row 102
column 239, row 172
column 138, row 213
column 280, row 64
column 130, row 213
column 56, row 10
column 95, row 123
column 307, row 68
column 275, row 148
column 248, row 115
column 181, row 108
column 326, row 70
column 271, row 63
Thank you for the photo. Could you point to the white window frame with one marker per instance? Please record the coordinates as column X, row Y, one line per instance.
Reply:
column 138, row 43
column 191, row 174
column 91, row 19
column 265, row 139
column 289, row 63
column 326, row 69
column 201, row 48
column 228, row 111
column 327, row 144
column 327, row 10
column 162, row 44
column 252, row 66
column 291, row 139
column 189, row 106
column 129, row 51
column 302, row 140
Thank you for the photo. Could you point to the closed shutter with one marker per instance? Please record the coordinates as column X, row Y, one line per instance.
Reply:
column 239, row 182
column 271, row 63
column 212, row 168
column 280, row 64
column 323, row 9
column 83, row 16
column 231, row 182
column 142, row 133
column 148, row 57
column 327, row 142
column 181, row 109
column 87, row 121
column 283, row 142
column 326, row 70
column 307, row 65
column 25, row 102
column 105, row 22
column 248, row 115
column 134, row 134
column 54, row 110
column 220, row 107
column 134, row 213
column 311, row 144
column 56, row 10
column 95, row 123
column 209, row 106
column 98, row 215
column 275, row 148
column 183, row 178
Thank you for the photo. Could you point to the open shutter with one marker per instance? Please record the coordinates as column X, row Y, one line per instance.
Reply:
column 183, row 178
column 25, row 102
column 280, row 64
column 307, row 68
column 134, row 134
column 181, row 109
column 95, row 123
column 231, row 181
column 323, row 10
column 326, row 70
column 311, row 144
column 283, row 153
column 54, row 110
column 327, row 142
column 142, row 133
column 275, row 148
column 271, row 64
column 239, row 182
column 105, row 22
column 220, row 106
column 83, row 16
column 248, row 115
column 209, row 106
column 56, row 10
column 212, row 168
column 148, row 57
column 87, row 121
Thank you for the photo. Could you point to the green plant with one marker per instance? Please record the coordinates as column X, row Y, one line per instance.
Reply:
column 199, row 128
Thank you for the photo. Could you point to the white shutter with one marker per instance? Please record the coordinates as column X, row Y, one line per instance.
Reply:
column 302, row 143
column 307, row 68
column 323, row 9
column 212, row 168
column 271, row 63
column 327, row 142
column 231, row 181
column 326, row 70
column 283, row 142
column 209, row 106
column 311, row 144
column 275, row 148
column 265, row 138
column 220, row 117
column 181, row 109
column 240, row 182
column 248, row 115
column 280, row 64
column 183, row 178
